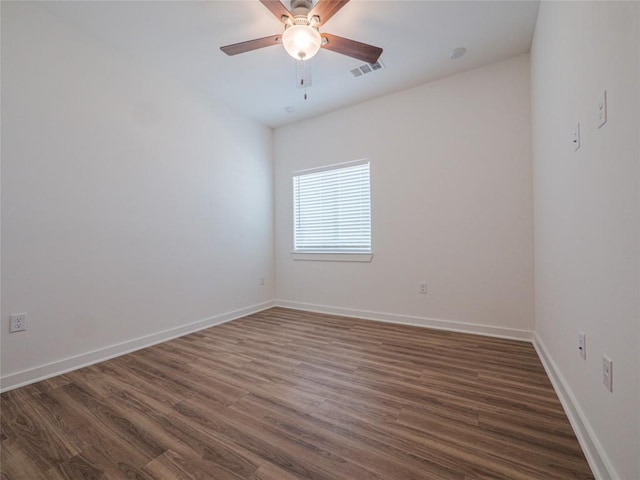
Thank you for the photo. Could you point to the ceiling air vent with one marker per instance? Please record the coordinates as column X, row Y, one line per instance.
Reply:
column 367, row 68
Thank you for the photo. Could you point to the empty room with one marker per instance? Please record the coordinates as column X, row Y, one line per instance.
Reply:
column 320, row 239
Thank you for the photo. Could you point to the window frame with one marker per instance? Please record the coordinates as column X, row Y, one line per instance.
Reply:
column 330, row 255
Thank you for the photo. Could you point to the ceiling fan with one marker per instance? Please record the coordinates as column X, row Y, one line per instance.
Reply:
column 301, row 37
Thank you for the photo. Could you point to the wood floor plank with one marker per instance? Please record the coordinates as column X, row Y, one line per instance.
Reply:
column 292, row 395
column 76, row 468
column 206, row 449
column 511, row 447
column 299, row 458
column 310, row 429
column 95, row 426
column 32, row 431
column 271, row 472
column 16, row 462
column 173, row 465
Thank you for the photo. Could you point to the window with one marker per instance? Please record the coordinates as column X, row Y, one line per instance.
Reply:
column 332, row 210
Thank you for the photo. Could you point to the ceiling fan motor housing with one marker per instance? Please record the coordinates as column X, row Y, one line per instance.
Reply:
column 300, row 8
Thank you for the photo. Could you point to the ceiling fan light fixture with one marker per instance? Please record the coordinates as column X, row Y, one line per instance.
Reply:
column 301, row 41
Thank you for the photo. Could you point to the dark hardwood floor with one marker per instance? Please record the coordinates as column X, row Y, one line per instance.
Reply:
column 284, row 395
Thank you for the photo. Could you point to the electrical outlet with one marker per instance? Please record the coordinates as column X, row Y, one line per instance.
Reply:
column 607, row 372
column 17, row 322
column 422, row 288
column 582, row 345
column 261, row 280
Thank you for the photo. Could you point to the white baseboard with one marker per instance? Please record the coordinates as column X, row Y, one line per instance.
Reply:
column 598, row 460
column 449, row 325
column 42, row 372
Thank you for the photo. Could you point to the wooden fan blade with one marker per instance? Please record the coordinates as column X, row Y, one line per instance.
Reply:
column 249, row 45
column 325, row 9
column 351, row 48
column 277, row 8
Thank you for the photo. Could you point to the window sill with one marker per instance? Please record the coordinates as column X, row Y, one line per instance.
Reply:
column 332, row 256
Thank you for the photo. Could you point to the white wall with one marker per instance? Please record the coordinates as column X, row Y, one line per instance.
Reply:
column 451, row 204
column 586, row 218
column 129, row 207
column 132, row 209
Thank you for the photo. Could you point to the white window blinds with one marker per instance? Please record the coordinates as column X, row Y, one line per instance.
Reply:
column 332, row 209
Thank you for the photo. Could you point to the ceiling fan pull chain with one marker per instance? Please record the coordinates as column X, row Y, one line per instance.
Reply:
column 303, row 75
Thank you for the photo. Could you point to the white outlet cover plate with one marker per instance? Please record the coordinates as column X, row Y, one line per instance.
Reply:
column 17, row 322
column 575, row 137
column 602, row 109
column 607, row 372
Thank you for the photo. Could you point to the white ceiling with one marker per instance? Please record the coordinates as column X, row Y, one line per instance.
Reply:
column 182, row 39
